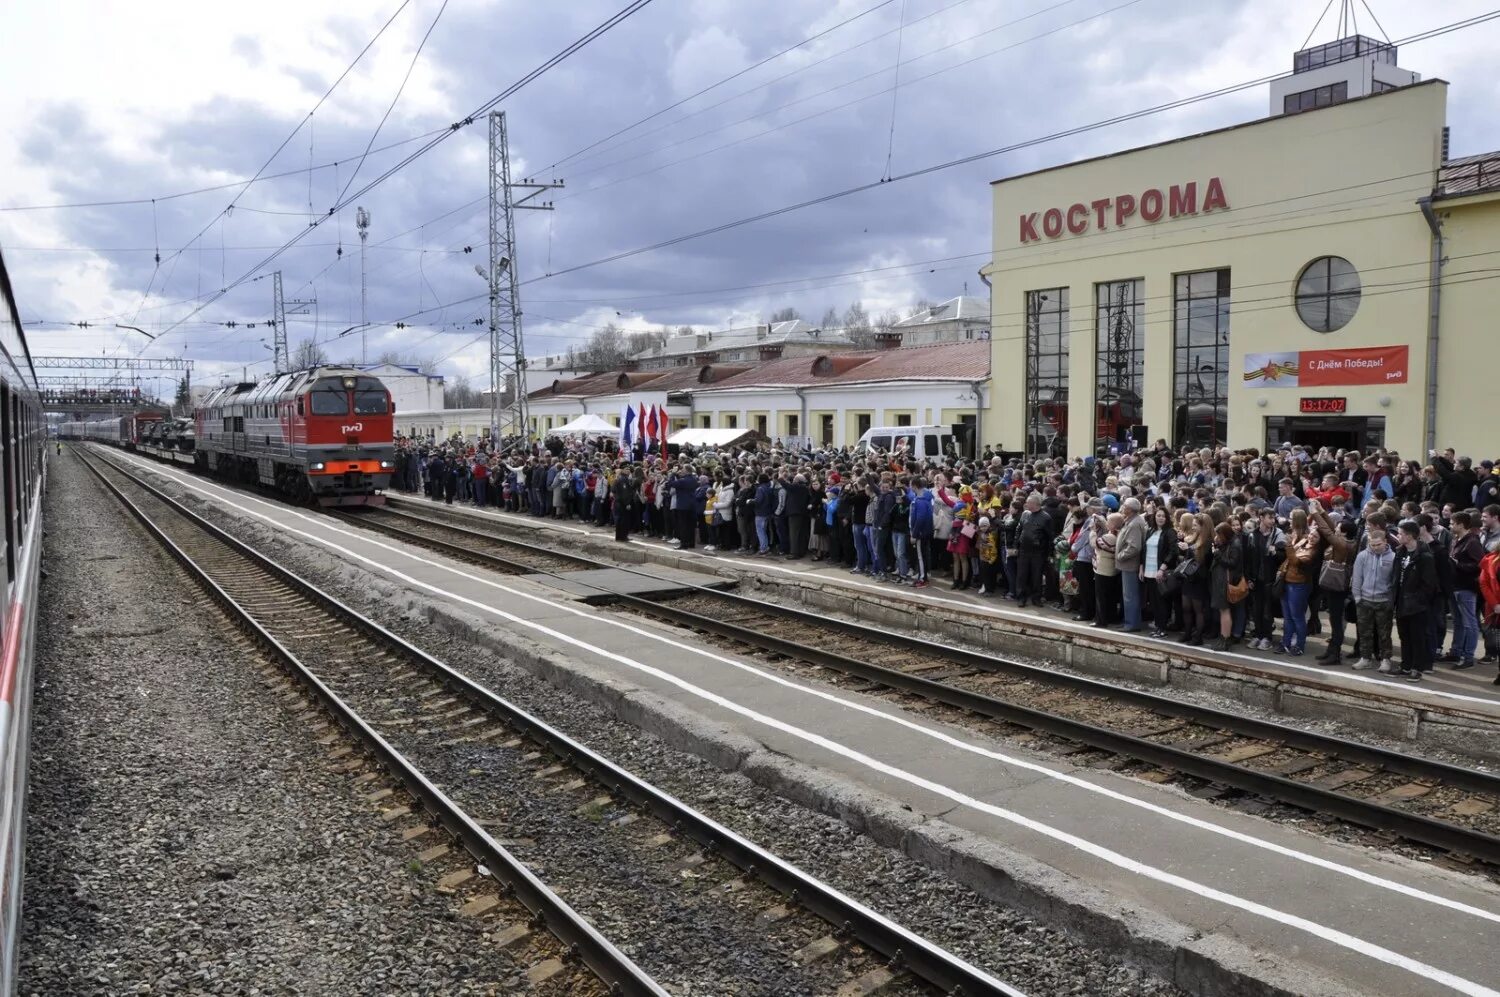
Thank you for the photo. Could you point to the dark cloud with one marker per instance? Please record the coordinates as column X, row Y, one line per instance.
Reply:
column 1145, row 54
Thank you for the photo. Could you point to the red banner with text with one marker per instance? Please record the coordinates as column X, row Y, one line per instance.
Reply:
column 1369, row 365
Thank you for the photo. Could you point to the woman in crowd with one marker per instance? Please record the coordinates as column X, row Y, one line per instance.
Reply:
column 1193, row 567
column 1333, row 576
column 961, row 542
column 725, row 523
column 1226, row 572
column 817, row 509
column 1158, row 558
column 1103, row 533
column 1010, row 548
column 1297, row 579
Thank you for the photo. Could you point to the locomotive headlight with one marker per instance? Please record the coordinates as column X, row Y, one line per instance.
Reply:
column 349, row 384
column 316, row 465
column 386, row 465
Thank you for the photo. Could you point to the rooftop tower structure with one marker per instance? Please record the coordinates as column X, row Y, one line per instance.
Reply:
column 1353, row 65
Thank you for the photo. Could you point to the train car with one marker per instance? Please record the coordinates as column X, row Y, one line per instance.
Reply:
column 23, row 437
column 325, row 434
column 114, row 430
column 176, row 435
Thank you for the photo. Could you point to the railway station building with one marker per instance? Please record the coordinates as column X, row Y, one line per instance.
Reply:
column 1326, row 275
column 827, row 399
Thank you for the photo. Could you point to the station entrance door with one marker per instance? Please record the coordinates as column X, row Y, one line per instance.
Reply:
column 1336, row 432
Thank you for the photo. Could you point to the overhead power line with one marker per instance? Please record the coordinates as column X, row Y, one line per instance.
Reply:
column 728, row 79
column 807, row 67
column 975, row 157
column 392, row 105
column 837, row 107
column 228, row 185
column 293, row 134
column 577, row 45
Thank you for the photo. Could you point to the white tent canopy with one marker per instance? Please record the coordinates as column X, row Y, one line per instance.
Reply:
column 587, row 424
column 711, row 437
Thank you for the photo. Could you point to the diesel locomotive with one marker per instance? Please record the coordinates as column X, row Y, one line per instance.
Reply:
column 322, row 435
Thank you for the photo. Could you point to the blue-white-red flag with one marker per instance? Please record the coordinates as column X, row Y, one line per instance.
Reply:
column 627, row 428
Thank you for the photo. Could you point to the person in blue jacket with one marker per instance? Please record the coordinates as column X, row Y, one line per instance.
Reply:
column 685, row 506
column 765, row 508
column 921, row 530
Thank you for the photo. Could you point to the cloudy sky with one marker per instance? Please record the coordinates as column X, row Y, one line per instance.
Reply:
column 128, row 102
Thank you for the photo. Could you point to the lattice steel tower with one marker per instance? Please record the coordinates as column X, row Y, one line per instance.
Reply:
column 298, row 306
column 507, row 348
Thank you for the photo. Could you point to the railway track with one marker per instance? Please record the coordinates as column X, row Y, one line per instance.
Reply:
column 472, row 546
column 1214, row 753
column 408, row 708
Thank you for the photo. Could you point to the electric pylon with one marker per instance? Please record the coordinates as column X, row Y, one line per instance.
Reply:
column 507, row 348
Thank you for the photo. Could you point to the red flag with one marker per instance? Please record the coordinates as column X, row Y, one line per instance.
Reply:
column 661, row 427
column 651, row 423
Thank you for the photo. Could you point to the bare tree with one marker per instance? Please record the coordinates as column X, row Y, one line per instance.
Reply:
column 648, row 339
column 857, row 325
column 887, row 320
column 308, row 354
column 922, row 307
column 460, row 394
column 686, row 330
column 785, row 315
column 404, row 360
column 830, row 318
column 609, row 347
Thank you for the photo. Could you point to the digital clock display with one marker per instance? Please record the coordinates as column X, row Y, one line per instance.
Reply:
column 1325, row 406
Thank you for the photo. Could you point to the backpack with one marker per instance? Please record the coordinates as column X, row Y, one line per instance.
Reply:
column 942, row 521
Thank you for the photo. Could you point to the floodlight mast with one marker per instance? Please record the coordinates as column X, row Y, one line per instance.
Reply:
column 362, row 223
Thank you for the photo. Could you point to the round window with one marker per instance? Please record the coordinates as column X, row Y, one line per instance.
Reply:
column 1328, row 294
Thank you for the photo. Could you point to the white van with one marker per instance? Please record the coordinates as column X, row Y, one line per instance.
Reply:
column 920, row 441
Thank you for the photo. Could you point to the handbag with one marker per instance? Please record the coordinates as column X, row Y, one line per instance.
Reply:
column 1334, row 576
column 1186, row 569
column 1278, row 587
column 1169, row 583
column 1236, row 591
column 969, row 530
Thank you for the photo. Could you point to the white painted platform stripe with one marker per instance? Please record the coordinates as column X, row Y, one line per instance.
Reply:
column 1117, row 859
column 1012, row 615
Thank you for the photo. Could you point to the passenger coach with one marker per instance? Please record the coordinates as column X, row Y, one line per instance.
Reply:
column 23, row 435
column 323, row 434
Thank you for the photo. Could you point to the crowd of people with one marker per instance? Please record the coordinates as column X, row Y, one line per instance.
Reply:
column 1203, row 546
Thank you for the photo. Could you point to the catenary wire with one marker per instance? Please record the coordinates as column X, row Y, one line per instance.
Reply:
column 973, row 158
column 574, row 47
column 728, row 79
column 778, row 79
column 389, row 107
column 875, row 74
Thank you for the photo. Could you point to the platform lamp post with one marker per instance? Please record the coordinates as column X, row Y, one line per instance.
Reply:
column 362, row 223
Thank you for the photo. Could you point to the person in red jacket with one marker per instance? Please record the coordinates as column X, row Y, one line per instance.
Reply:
column 1331, row 490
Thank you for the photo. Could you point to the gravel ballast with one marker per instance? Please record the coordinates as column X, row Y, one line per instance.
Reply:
column 1007, row 942
column 185, row 834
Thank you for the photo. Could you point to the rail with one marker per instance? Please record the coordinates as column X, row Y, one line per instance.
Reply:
column 577, row 934
column 906, row 950
column 1418, row 828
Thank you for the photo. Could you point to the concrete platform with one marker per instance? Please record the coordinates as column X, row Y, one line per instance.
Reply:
column 598, row 584
column 1454, row 710
column 1220, row 902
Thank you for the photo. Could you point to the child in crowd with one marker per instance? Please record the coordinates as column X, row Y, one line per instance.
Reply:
column 987, row 546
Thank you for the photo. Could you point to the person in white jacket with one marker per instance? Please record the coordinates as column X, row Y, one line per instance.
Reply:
column 723, row 525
